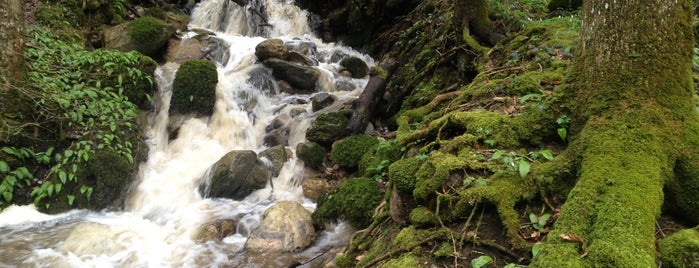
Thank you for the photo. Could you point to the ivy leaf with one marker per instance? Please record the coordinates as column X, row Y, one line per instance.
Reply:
column 523, row 168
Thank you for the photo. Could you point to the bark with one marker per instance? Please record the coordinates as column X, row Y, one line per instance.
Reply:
column 11, row 39
column 373, row 92
column 473, row 15
column 631, row 96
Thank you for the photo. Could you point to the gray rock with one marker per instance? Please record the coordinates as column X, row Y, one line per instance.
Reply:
column 321, row 100
column 277, row 155
column 236, row 175
column 300, row 59
column 262, row 79
column 286, row 226
column 298, row 76
column 202, row 46
column 356, row 66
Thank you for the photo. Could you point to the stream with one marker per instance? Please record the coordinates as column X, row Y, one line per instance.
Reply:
column 164, row 208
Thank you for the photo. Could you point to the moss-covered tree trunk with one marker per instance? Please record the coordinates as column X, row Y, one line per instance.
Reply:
column 630, row 100
column 11, row 62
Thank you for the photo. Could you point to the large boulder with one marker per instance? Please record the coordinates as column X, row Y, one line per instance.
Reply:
column 327, row 128
column 356, row 66
column 271, row 48
column 298, row 76
column 203, row 46
column 236, row 175
column 147, row 35
column 286, row 226
column 277, row 156
column 194, row 88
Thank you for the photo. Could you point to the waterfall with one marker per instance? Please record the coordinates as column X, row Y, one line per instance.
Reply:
column 164, row 207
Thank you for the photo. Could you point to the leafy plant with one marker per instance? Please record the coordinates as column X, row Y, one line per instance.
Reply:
column 516, row 163
column 539, row 222
column 563, row 121
column 482, row 261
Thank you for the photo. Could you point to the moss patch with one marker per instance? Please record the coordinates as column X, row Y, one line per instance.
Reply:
column 194, row 88
column 348, row 152
column 353, row 200
column 681, row 249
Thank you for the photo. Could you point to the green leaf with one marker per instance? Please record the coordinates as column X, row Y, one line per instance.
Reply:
column 7, row 196
column 523, row 168
column 4, row 168
column 536, row 248
column 68, row 153
column 544, row 218
column 71, row 199
column 547, row 154
column 62, row 176
column 563, row 133
column 58, row 187
column 497, row 154
column 481, row 261
column 533, row 218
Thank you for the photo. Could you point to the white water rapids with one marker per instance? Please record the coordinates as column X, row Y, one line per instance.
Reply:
column 164, row 208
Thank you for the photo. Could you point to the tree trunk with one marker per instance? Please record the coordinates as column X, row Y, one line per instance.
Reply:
column 11, row 63
column 630, row 96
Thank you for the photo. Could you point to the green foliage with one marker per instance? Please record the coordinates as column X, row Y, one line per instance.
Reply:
column 81, row 94
column 347, row 152
column 563, row 122
column 482, row 262
column 539, row 222
column 353, row 200
column 194, row 88
column 143, row 29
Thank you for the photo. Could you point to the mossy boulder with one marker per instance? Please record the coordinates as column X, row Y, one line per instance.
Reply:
column 147, row 35
column 328, row 128
column 681, row 249
column 347, row 152
column 353, row 200
column 402, row 173
column 311, row 154
column 421, row 216
column 356, row 66
column 194, row 88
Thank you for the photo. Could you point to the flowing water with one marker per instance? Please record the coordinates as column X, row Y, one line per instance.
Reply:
column 164, row 209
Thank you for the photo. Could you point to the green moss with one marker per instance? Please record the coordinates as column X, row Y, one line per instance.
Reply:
column 343, row 261
column 194, row 88
column 143, row 29
column 353, row 200
column 435, row 173
column 681, row 249
column 328, row 128
column 348, row 152
column 311, row 154
column 375, row 162
column 421, row 216
column 410, row 237
column 402, row 173
column 404, row 260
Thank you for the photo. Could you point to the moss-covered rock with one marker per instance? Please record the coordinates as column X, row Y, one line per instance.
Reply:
column 402, row 173
column 347, row 152
column 421, row 216
column 328, row 128
column 194, row 88
column 311, row 154
column 681, row 249
column 353, row 200
column 356, row 66
column 147, row 35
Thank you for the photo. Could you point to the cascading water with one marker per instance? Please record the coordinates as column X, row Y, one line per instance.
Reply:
column 165, row 208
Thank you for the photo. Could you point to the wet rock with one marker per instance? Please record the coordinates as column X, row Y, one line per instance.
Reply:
column 286, row 226
column 311, row 154
column 262, row 79
column 321, row 100
column 286, row 87
column 301, row 59
column 236, row 175
column 271, row 48
column 314, row 187
column 217, row 230
column 276, row 137
column 280, row 121
column 91, row 238
column 298, row 76
column 296, row 111
column 277, row 156
column 343, row 85
column 304, row 47
column 146, row 35
column 202, row 46
column 327, row 128
column 356, row 66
